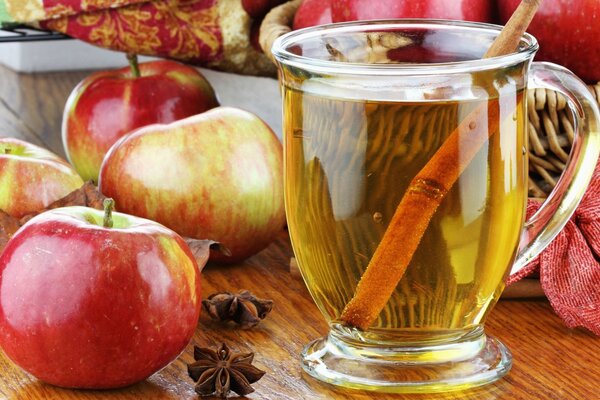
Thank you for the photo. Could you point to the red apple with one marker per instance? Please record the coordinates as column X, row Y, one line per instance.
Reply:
column 568, row 33
column 216, row 175
column 84, row 305
column 32, row 177
column 107, row 105
column 312, row 13
column 258, row 8
column 466, row 10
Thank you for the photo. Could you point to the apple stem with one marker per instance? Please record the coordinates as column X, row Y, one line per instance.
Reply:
column 133, row 63
column 7, row 150
column 109, row 205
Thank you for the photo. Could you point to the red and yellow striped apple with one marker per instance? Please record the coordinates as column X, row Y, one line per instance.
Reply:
column 31, row 177
column 216, row 175
column 86, row 305
column 109, row 104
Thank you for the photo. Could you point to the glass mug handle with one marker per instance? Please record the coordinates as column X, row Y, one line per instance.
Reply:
column 556, row 210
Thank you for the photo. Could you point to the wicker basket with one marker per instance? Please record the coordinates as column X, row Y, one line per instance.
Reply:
column 550, row 120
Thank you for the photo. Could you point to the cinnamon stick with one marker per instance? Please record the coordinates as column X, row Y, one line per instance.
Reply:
column 427, row 190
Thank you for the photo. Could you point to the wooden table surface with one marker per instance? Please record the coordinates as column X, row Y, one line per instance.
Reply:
column 550, row 361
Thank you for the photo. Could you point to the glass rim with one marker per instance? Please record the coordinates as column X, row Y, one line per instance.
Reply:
column 283, row 56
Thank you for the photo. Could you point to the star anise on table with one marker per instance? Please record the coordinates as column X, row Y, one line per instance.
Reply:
column 243, row 308
column 219, row 372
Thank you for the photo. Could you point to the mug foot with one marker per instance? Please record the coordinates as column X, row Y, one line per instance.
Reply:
column 337, row 363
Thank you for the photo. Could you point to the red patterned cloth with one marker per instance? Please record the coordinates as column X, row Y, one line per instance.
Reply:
column 211, row 33
column 187, row 30
column 569, row 268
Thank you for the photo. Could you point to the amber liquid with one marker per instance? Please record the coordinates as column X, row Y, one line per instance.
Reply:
column 348, row 164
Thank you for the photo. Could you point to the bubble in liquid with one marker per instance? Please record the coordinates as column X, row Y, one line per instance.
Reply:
column 377, row 217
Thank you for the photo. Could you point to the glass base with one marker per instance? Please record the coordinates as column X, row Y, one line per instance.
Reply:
column 417, row 369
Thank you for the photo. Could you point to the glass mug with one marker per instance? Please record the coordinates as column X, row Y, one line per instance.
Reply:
column 406, row 170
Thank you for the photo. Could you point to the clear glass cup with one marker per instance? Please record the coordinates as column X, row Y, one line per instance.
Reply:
column 405, row 188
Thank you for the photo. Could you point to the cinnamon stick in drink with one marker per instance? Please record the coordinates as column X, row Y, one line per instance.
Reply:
column 427, row 190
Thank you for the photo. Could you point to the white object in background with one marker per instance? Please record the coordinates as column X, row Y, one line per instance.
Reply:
column 258, row 95
column 58, row 55
column 255, row 94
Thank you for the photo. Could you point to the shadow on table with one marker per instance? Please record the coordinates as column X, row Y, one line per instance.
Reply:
column 142, row 390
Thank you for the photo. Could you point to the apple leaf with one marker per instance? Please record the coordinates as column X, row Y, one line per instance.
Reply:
column 93, row 197
column 8, row 223
column 8, row 226
column 201, row 250
column 87, row 195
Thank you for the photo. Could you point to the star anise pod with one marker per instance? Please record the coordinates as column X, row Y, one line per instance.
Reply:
column 243, row 308
column 218, row 373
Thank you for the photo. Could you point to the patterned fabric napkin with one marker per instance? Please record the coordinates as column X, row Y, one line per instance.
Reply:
column 569, row 268
column 211, row 33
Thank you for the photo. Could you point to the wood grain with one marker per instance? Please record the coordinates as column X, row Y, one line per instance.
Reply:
column 550, row 361
column 31, row 105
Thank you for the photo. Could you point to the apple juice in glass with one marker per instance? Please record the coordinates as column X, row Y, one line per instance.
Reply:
column 367, row 108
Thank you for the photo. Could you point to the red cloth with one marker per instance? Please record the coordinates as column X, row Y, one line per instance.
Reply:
column 569, row 267
column 186, row 30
